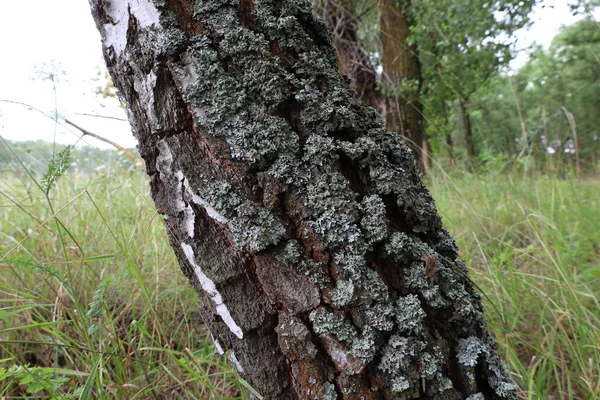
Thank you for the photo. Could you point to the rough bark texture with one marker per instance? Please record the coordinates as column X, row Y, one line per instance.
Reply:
column 402, row 77
column 299, row 219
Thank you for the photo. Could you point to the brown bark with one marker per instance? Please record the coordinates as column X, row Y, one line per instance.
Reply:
column 450, row 148
column 466, row 122
column 301, row 222
column 353, row 60
column 401, row 75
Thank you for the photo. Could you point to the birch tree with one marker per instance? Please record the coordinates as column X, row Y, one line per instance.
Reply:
column 319, row 256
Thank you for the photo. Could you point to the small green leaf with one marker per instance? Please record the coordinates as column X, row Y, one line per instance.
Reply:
column 57, row 166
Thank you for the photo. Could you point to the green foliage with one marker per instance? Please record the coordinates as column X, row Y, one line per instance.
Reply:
column 98, row 305
column 520, row 116
column 461, row 46
column 35, row 379
column 57, row 167
column 462, row 43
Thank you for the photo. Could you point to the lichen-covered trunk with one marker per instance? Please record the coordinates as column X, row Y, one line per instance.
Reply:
column 402, row 78
column 301, row 222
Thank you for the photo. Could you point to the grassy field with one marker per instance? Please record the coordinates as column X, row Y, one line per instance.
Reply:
column 99, row 309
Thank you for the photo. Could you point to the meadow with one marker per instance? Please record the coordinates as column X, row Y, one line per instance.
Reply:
column 93, row 305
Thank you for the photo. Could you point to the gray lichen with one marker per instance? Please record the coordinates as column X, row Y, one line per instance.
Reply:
column 377, row 289
column 255, row 228
column 343, row 293
column 335, row 212
column 259, row 141
column 397, row 359
column 416, row 277
column 476, row 396
column 222, row 197
column 320, row 150
column 353, row 262
column 374, row 221
column 329, row 323
column 364, row 346
column 317, row 272
column 174, row 40
column 400, row 384
column 252, row 226
column 468, row 351
column 381, row 316
column 404, row 248
column 330, row 393
column 432, row 364
column 292, row 252
column 504, row 389
column 433, row 297
column 445, row 244
column 409, row 315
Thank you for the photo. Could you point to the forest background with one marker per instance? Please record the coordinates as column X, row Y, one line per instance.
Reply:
column 88, row 283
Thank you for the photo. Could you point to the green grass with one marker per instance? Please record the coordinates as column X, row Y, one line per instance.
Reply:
column 533, row 246
column 116, row 318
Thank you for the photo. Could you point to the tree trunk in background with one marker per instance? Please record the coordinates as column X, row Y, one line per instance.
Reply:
column 401, row 75
column 450, row 148
column 466, row 121
column 426, row 155
column 353, row 60
column 299, row 219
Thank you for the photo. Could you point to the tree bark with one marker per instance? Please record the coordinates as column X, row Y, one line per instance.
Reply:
column 301, row 221
column 402, row 78
column 466, row 122
column 353, row 60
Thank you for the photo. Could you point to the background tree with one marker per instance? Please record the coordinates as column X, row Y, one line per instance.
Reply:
column 432, row 60
column 353, row 58
column 293, row 212
column 460, row 54
column 395, row 94
column 402, row 77
column 565, row 75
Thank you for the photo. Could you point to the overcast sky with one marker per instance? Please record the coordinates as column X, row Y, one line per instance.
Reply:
column 38, row 37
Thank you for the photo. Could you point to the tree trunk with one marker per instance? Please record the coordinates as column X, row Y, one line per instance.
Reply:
column 450, row 148
column 426, row 155
column 402, row 77
column 353, row 60
column 466, row 120
column 296, row 216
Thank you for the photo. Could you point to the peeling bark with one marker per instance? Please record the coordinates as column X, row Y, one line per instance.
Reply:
column 301, row 222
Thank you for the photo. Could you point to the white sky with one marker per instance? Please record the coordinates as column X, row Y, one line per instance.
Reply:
column 36, row 35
